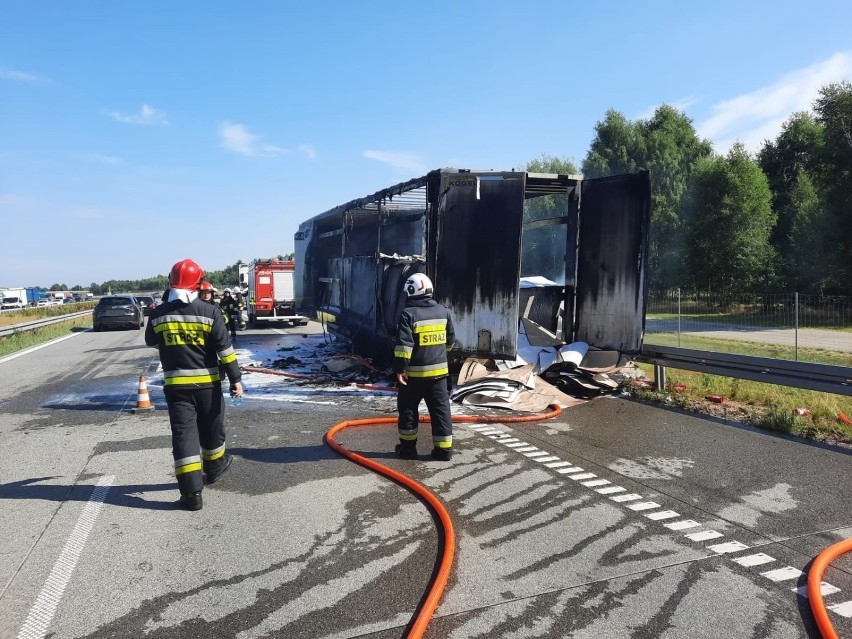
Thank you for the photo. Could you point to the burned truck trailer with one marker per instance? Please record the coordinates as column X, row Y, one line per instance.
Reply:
column 582, row 243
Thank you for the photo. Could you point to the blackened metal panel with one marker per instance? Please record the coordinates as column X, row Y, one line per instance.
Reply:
column 474, row 258
column 615, row 215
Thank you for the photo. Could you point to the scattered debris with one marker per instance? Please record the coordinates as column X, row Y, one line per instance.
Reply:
column 801, row 412
column 716, row 399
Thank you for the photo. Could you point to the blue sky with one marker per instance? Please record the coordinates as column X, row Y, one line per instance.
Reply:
column 134, row 134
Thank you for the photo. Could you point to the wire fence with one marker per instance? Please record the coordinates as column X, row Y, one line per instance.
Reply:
column 808, row 328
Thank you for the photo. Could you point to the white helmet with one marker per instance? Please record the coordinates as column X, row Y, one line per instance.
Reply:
column 418, row 285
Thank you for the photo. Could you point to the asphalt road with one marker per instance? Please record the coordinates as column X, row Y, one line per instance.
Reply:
column 676, row 526
column 803, row 337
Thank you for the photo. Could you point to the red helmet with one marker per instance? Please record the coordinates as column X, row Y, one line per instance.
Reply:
column 206, row 286
column 185, row 274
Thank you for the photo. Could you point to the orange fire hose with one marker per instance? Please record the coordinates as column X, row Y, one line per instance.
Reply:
column 439, row 582
column 815, row 580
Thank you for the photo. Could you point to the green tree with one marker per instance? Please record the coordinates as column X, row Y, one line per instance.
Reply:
column 833, row 109
column 730, row 218
column 792, row 164
column 669, row 147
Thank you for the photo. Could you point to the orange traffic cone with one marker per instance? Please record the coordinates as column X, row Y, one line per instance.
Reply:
column 143, row 402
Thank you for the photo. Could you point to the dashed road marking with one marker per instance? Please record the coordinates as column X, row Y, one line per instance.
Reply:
column 704, row 536
column 583, row 476
column 573, row 469
column 549, row 458
column 663, row 514
column 728, row 547
column 783, row 574
column 559, row 464
column 610, row 490
column 682, row 525
column 628, row 497
column 595, row 482
column 844, row 609
column 645, row 505
column 824, row 589
column 754, row 560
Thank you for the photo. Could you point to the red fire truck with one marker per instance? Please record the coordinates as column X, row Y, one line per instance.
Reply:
column 271, row 295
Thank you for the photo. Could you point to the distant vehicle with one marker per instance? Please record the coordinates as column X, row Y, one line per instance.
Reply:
column 43, row 302
column 34, row 294
column 117, row 311
column 271, row 295
column 14, row 298
column 147, row 302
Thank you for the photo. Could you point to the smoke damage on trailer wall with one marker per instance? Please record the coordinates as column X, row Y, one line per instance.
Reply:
column 476, row 233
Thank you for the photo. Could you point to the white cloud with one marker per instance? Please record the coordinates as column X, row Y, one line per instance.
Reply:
column 20, row 76
column 309, row 151
column 754, row 117
column 146, row 115
column 681, row 105
column 239, row 139
column 397, row 159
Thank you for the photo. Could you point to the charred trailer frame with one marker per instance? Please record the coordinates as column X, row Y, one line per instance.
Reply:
column 477, row 234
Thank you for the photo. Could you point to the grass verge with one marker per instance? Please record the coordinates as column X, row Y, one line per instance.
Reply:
column 795, row 411
column 26, row 339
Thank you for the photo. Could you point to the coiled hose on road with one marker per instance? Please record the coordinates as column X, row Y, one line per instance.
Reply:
column 446, row 532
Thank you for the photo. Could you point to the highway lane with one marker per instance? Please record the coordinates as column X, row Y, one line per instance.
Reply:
column 298, row 542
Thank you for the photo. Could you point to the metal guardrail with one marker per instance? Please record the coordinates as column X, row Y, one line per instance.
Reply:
column 28, row 326
column 819, row 377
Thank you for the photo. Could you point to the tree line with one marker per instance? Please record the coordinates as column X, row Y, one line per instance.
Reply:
column 777, row 221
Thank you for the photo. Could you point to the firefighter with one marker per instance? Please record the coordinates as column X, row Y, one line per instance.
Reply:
column 205, row 292
column 192, row 340
column 231, row 308
column 423, row 337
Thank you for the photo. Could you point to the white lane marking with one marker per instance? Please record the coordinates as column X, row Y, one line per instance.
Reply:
column 610, row 490
column 543, row 460
column 491, row 431
column 565, row 471
column 645, row 505
column 527, row 449
column 516, row 446
column 682, row 525
column 843, row 609
column 559, row 464
column 582, row 476
column 663, row 514
column 824, row 589
column 41, row 614
column 595, row 482
column 730, row 546
column 704, row 536
column 754, row 560
column 478, row 427
column 511, row 440
column 536, row 453
column 627, row 497
column 783, row 574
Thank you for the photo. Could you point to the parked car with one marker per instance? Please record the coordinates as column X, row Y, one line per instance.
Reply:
column 117, row 310
column 147, row 302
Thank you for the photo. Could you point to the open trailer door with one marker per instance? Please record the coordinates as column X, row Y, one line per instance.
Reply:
column 612, row 258
column 473, row 256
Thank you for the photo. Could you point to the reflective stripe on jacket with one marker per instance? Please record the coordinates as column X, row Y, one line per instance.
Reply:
column 424, row 335
column 193, row 342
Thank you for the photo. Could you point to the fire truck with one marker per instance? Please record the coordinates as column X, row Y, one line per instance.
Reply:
column 271, row 295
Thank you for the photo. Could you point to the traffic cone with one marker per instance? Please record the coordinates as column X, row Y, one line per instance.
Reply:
column 143, row 402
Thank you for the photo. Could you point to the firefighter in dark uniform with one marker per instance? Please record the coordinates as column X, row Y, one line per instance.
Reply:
column 192, row 340
column 231, row 308
column 423, row 337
